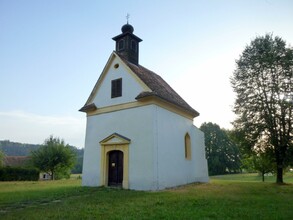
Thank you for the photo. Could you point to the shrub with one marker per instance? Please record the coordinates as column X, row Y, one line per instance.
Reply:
column 18, row 174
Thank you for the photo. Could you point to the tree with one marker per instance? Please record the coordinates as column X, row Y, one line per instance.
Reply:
column 54, row 157
column 77, row 169
column 1, row 158
column 260, row 159
column 222, row 154
column 262, row 163
column 262, row 82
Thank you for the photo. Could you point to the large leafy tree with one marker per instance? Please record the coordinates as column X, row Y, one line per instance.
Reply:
column 262, row 82
column 54, row 157
column 222, row 154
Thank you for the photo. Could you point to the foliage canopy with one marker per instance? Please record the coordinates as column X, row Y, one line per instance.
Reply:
column 262, row 82
column 222, row 154
column 54, row 157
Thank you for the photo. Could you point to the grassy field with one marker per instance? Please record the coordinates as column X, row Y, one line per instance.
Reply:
column 253, row 177
column 225, row 197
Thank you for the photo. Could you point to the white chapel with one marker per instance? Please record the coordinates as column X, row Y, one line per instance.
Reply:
column 139, row 133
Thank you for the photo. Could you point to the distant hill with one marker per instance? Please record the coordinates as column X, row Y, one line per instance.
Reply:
column 17, row 149
column 10, row 148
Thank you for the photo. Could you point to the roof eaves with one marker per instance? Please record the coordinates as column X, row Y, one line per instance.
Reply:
column 127, row 33
column 88, row 108
column 144, row 95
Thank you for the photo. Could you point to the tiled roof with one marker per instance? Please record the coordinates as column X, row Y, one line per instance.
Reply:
column 158, row 86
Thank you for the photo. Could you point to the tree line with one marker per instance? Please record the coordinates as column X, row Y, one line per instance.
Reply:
column 9, row 148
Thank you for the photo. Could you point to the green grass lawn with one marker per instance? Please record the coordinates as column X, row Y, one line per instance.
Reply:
column 225, row 197
column 253, row 177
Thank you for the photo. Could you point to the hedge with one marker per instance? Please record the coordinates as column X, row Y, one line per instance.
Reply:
column 18, row 174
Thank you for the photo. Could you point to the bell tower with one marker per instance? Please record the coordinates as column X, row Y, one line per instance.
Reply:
column 127, row 44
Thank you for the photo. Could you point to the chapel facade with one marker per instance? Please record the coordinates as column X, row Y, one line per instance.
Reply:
column 139, row 133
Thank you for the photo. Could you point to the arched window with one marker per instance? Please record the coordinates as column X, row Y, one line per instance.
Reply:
column 133, row 45
column 121, row 45
column 187, row 147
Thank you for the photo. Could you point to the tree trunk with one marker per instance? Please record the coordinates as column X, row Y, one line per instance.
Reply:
column 279, row 174
column 263, row 176
column 279, row 161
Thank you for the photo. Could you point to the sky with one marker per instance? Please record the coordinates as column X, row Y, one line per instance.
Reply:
column 53, row 51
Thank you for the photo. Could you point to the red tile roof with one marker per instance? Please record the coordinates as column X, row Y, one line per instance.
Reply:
column 159, row 87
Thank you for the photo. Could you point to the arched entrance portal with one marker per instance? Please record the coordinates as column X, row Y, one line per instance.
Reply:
column 114, row 161
column 115, row 168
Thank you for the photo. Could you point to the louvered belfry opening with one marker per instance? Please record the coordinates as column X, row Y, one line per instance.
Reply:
column 127, row 44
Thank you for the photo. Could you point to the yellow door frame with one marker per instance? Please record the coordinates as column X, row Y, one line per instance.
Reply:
column 114, row 142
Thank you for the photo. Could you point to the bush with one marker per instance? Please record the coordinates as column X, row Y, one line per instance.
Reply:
column 62, row 174
column 18, row 174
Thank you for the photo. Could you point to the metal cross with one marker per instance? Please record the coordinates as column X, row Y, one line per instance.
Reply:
column 127, row 17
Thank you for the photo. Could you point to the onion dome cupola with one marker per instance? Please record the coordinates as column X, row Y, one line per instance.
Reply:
column 127, row 44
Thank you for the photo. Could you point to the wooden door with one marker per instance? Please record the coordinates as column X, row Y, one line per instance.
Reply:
column 115, row 168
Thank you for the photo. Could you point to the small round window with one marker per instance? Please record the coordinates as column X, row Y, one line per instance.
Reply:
column 116, row 65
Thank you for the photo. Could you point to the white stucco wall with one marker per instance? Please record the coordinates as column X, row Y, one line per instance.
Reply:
column 156, row 152
column 199, row 155
column 130, row 87
column 173, row 168
column 136, row 124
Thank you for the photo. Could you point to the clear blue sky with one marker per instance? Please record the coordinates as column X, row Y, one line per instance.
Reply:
column 52, row 53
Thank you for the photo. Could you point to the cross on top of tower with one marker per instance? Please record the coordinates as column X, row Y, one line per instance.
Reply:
column 127, row 44
column 127, row 17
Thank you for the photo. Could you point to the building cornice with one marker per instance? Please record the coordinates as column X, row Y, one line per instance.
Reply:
column 143, row 102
